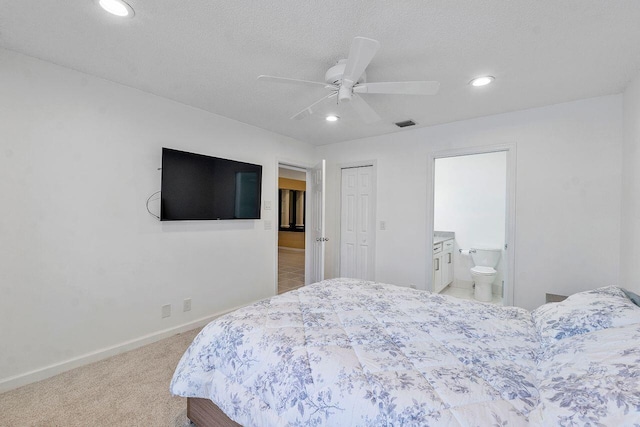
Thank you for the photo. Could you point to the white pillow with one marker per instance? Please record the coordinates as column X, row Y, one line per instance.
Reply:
column 584, row 312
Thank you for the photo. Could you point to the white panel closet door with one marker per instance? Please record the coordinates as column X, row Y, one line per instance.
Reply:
column 357, row 223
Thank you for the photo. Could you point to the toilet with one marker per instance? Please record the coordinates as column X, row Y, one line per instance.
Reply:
column 484, row 271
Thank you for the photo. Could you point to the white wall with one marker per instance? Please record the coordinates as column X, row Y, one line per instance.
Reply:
column 470, row 200
column 630, row 228
column 83, row 267
column 567, row 197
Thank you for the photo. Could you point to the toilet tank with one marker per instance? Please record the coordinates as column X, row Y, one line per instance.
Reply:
column 486, row 257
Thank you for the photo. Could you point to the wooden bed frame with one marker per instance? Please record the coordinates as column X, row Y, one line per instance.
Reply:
column 205, row 413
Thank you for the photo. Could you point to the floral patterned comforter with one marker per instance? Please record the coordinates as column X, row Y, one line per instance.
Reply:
column 344, row 352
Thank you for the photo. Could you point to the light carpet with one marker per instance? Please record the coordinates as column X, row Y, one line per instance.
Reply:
column 130, row 389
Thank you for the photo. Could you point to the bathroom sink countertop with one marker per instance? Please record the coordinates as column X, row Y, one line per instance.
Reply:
column 441, row 236
column 438, row 239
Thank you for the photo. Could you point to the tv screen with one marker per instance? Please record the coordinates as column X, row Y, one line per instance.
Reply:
column 198, row 187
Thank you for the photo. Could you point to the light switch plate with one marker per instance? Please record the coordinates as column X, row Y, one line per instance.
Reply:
column 267, row 205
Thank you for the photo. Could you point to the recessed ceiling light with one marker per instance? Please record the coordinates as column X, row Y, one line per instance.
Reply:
column 117, row 7
column 482, row 81
column 331, row 118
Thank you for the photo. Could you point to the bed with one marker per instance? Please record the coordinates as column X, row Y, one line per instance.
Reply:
column 345, row 352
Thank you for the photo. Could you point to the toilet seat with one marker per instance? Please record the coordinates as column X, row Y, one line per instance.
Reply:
column 483, row 271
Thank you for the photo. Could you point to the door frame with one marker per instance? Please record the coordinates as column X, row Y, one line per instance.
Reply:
column 338, row 211
column 303, row 167
column 510, row 210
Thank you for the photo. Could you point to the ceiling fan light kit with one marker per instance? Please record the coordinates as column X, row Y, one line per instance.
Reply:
column 347, row 79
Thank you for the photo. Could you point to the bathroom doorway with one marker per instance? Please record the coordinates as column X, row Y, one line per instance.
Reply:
column 472, row 216
column 292, row 219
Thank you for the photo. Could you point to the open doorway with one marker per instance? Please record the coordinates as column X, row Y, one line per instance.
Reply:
column 292, row 220
column 473, row 225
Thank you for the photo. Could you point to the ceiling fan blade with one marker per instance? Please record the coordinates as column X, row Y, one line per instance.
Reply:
column 310, row 109
column 399, row 88
column 295, row 81
column 364, row 110
column 362, row 52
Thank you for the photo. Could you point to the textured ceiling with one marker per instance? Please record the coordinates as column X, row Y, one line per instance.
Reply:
column 208, row 53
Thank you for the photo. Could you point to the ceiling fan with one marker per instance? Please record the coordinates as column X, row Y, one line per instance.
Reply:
column 347, row 79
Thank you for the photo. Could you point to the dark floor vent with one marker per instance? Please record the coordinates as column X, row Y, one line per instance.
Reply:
column 405, row 123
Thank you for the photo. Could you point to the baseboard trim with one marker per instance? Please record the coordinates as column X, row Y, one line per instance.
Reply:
column 36, row 375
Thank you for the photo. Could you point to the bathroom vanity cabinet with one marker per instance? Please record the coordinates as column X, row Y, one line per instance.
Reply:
column 442, row 264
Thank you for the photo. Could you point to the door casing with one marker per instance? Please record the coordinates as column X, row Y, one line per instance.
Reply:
column 306, row 167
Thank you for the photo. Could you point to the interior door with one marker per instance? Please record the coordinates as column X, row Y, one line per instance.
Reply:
column 316, row 219
column 356, row 223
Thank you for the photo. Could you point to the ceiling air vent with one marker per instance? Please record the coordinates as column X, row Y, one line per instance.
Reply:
column 405, row 123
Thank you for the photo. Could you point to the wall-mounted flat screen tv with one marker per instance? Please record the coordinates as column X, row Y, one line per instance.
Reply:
column 198, row 187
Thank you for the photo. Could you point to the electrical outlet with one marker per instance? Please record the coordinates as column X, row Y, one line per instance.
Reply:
column 412, row 286
column 383, row 225
column 186, row 305
column 267, row 224
column 166, row 310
